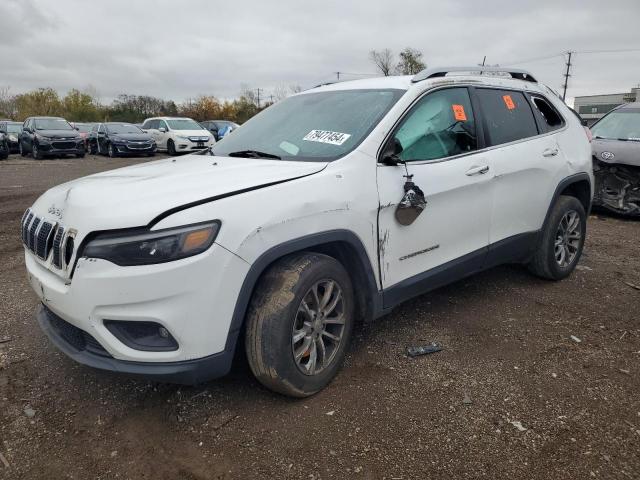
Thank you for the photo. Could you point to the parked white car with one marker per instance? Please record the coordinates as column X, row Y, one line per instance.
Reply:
column 335, row 204
column 175, row 135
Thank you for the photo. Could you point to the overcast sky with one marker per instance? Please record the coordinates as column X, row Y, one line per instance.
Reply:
column 180, row 49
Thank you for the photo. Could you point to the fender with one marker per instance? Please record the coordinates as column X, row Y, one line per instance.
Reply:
column 564, row 183
column 296, row 245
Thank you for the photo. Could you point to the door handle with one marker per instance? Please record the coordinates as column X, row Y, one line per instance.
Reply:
column 550, row 152
column 477, row 170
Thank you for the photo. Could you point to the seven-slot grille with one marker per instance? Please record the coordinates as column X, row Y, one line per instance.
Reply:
column 42, row 238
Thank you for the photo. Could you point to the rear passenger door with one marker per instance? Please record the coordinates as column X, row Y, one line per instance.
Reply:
column 524, row 160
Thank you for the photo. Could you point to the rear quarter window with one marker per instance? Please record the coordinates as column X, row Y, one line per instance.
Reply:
column 507, row 115
column 547, row 114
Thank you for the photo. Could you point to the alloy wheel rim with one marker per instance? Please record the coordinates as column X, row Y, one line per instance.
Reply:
column 568, row 238
column 318, row 328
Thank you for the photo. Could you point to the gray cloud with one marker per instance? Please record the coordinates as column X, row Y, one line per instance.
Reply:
column 180, row 49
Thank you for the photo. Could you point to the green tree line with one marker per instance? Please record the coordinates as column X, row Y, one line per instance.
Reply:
column 78, row 106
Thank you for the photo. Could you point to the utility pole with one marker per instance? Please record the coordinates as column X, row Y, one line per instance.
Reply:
column 338, row 75
column 567, row 75
column 258, row 90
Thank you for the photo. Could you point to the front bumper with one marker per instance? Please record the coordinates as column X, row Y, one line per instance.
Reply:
column 62, row 148
column 193, row 298
column 84, row 349
column 132, row 149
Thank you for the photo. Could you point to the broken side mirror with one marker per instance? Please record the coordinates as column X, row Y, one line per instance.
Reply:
column 412, row 203
column 391, row 152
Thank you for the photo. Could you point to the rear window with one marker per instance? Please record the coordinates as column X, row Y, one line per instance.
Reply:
column 508, row 115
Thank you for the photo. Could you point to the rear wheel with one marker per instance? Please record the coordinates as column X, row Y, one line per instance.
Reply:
column 21, row 149
column 562, row 240
column 93, row 149
column 171, row 148
column 299, row 324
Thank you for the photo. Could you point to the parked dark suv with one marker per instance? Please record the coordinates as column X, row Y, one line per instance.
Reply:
column 116, row 138
column 11, row 132
column 49, row 136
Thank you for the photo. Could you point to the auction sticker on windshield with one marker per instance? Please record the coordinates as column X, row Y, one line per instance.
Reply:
column 325, row 136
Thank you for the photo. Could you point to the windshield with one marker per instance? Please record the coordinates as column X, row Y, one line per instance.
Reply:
column 123, row 128
column 319, row 126
column 184, row 124
column 52, row 124
column 623, row 124
column 14, row 127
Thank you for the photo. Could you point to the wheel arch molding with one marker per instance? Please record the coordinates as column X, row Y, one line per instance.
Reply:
column 577, row 185
column 343, row 245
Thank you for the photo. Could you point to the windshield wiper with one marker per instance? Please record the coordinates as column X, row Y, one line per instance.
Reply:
column 253, row 154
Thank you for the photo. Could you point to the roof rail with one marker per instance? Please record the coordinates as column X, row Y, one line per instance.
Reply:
column 477, row 70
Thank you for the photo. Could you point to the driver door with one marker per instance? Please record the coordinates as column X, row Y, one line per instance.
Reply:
column 440, row 139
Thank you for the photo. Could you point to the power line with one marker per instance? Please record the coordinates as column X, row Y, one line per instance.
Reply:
column 533, row 59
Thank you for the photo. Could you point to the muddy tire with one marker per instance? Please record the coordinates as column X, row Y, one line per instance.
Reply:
column 299, row 324
column 561, row 241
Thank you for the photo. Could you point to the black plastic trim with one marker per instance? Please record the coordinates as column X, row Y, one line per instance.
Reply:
column 436, row 277
column 296, row 245
column 190, row 372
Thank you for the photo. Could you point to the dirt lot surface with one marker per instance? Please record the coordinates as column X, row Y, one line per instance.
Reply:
column 512, row 395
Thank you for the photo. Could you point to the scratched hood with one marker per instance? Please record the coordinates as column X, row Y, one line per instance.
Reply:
column 133, row 196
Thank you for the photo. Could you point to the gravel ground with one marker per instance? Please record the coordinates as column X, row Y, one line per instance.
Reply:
column 512, row 395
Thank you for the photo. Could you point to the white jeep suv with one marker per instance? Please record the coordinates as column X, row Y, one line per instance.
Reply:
column 333, row 205
column 175, row 135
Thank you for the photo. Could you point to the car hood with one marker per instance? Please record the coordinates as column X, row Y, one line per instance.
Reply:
column 192, row 133
column 625, row 152
column 59, row 133
column 131, row 136
column 136, row 195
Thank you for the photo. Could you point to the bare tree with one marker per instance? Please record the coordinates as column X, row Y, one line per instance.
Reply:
column 383, row 60
column 8, row 105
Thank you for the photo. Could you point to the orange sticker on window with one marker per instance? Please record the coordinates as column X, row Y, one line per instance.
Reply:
column 508, row 101
column 458, row 113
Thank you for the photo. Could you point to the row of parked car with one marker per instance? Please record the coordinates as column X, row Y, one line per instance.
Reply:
column 55, row 136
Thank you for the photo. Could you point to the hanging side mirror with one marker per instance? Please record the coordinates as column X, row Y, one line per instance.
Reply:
column 412, row 204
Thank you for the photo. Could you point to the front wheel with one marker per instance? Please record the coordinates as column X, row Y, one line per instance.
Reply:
column 299, row 324
column 561, row 241
column 35, row 151
column 111, row 151
column 21, row 149
column 171, row 148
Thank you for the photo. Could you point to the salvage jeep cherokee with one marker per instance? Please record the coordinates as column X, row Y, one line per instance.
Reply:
column 333, row 205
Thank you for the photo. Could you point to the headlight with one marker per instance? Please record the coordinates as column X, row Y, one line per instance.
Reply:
column 43, row 138
column 146, row 248
column 182, row 137
column 118, row 139
column 13, row 138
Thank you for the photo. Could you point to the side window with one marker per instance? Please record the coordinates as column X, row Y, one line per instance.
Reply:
column 551, row 119
column 149, row 124
column 507, row 114
column 440, row 125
